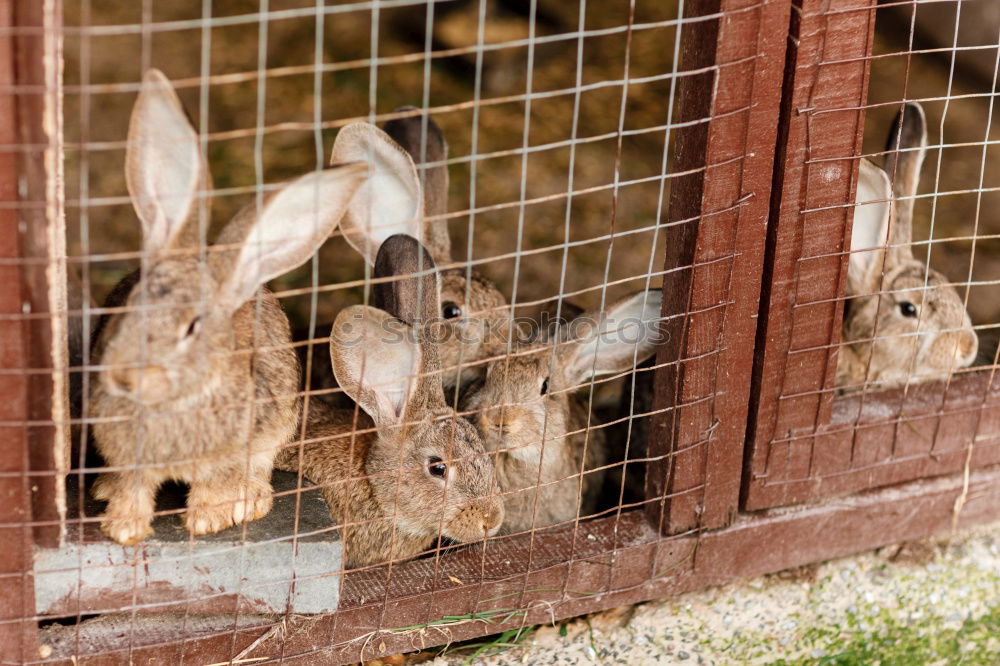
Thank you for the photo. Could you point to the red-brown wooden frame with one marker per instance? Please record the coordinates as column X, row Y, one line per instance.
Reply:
column 805, row 441
column 719, row 214
column 25, row 334
column 701, row 397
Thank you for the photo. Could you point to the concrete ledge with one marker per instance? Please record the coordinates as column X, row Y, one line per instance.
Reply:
column 265, row 569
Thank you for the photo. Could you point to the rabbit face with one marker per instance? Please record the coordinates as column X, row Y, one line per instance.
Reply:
column 516, row 404
column 158, row 346
column 435, row 469
column 922, row 329
column 475, row 315
column 523, row 401
column 903, row 321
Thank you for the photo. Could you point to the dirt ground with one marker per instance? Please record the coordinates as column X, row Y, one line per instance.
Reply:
column 611, row 228
column 289, row 145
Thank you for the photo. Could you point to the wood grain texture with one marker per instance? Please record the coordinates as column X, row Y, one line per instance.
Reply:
column 715, row 250
column 821, row 125
column 17, row 626
column 36, row 52
column 375, row 621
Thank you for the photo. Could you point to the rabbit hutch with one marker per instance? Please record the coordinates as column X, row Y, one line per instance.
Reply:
column 727, row 264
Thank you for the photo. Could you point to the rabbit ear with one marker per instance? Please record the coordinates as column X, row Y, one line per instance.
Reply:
column 421, row 137
column 390, row 202
column 906, row 148
column 870, row 230
column 414, row 297
column 625, row 335
column 292, row 223
column 164, row 169
column 378, row 363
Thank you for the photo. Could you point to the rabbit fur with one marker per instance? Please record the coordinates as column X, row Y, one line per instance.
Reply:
column 473, row 314
column 409, row 469
column 197, row 380
column 903, row 321
column 549, row 455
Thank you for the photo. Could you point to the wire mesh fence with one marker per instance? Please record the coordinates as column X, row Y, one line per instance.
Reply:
column 888, row 375
column 361, row 327
column 465, row 393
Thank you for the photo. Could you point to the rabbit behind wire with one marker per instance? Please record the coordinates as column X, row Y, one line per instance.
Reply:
column 473, row 313
column 903, row 321
column 549, row 449
column 197, row 379
column 412, row 470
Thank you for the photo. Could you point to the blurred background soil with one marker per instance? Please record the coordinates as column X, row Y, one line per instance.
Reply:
column 352, row 90
column 611, row 229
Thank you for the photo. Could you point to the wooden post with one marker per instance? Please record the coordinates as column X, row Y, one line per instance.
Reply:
column 715, row 251
column 38, row 73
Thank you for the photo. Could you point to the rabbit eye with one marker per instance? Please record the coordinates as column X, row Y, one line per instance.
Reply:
column 908, row 309
column 193, row 327
column 449, row 310
column 545, row 386
column 436, row 468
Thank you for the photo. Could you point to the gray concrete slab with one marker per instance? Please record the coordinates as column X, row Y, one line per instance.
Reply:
column 262, row 564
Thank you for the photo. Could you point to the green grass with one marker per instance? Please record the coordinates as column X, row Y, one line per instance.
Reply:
column 493, row 645
column 892, row 643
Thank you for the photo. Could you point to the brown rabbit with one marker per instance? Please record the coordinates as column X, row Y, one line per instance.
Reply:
column 197, row 380
column 527, row 411
column 474, row 312
column 903, row 322
column 414, row 470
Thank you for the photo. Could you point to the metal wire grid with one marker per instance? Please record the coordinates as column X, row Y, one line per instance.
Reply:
column 96, row 104
column 924, row 428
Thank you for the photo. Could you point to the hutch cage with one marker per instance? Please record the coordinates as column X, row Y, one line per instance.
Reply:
column 710, row 145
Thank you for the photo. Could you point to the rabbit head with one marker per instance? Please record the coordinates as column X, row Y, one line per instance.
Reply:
column 903, row 320
column 524, row 399
column 427, row 465
column 394, row 200
column 178, row 324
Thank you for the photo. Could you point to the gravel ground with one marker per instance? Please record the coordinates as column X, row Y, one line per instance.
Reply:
column 804, row 614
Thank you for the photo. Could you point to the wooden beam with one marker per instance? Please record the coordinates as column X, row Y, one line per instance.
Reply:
column 374, row 621
column 715, row 251
column 822, row 122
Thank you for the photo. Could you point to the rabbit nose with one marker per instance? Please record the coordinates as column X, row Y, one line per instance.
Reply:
column 493, row 418
column 493, row 519
column 119, row 380
column 965, row 350
column 149, row 381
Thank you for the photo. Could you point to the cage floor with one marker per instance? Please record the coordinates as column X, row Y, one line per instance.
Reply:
column 289, row 560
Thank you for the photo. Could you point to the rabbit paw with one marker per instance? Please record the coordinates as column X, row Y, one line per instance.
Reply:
column 129, row 515
column 214, row 511
column 126, row 530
